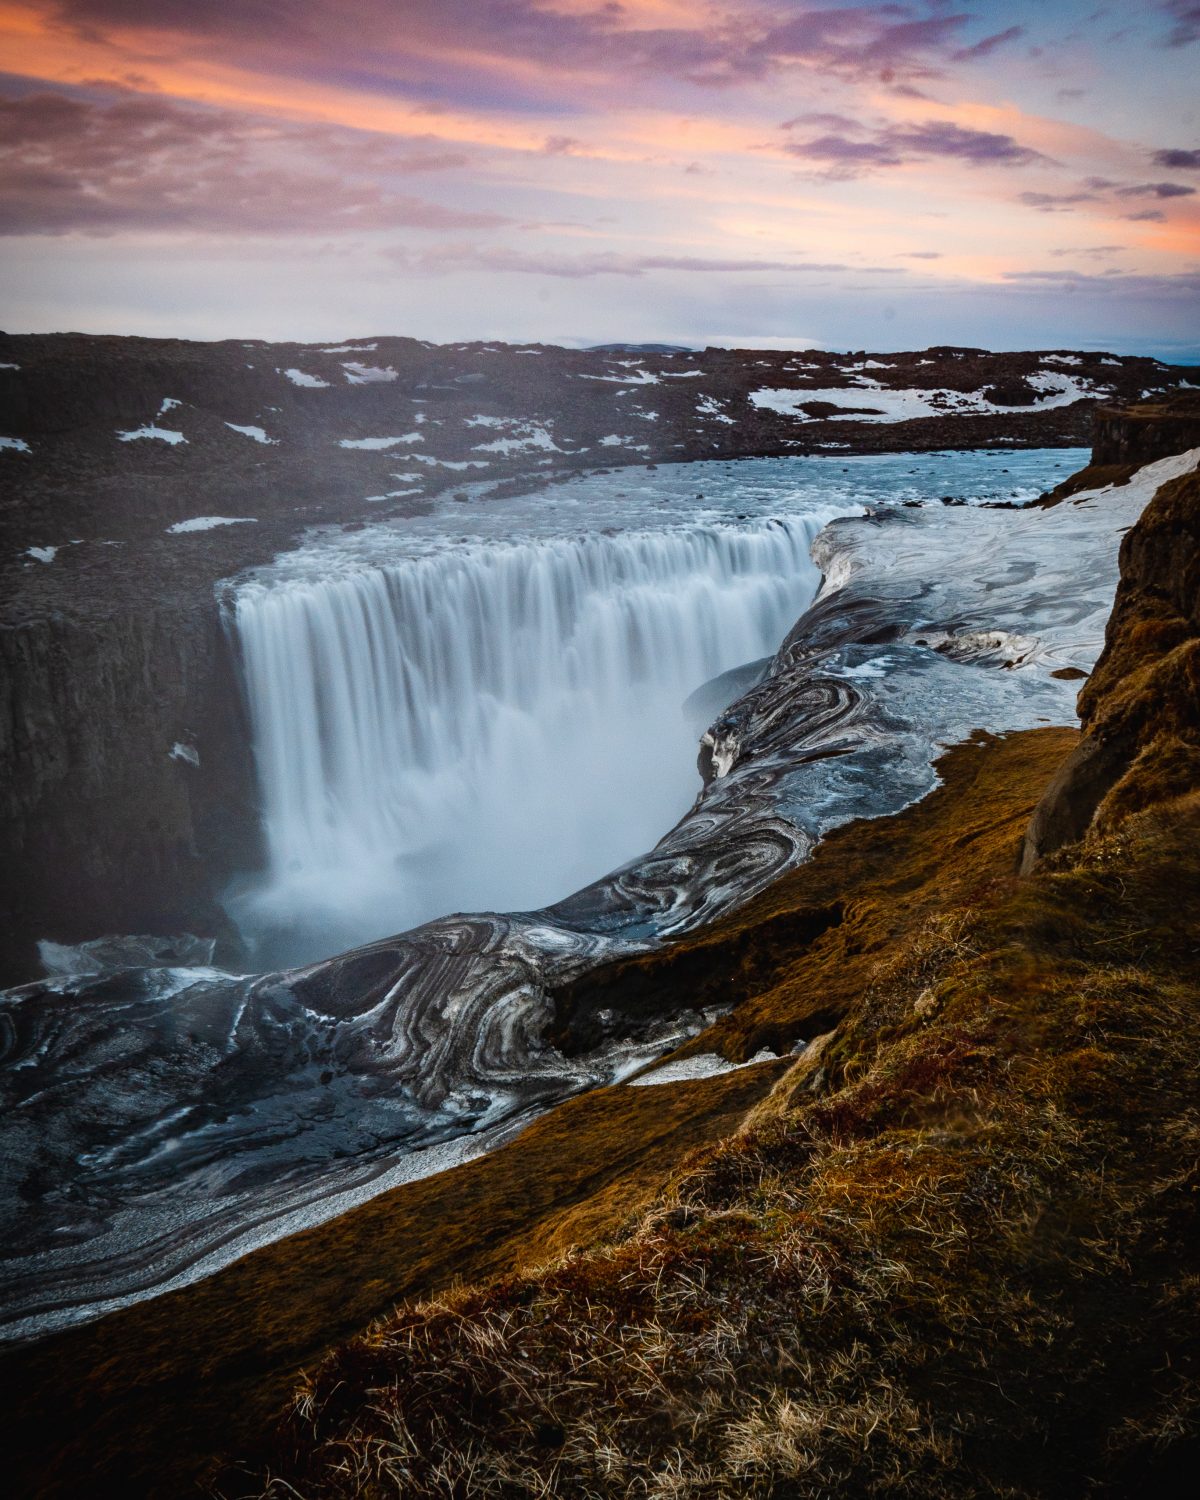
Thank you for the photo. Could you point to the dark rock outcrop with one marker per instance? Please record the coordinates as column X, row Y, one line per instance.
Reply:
column 1140, row 709
column 1149, row 430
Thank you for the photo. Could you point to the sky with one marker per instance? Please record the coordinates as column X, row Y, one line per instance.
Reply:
column 759, row 172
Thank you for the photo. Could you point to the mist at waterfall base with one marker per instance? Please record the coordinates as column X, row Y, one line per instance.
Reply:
column 485, row 709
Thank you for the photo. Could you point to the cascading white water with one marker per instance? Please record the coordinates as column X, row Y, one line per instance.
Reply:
column 493, row 725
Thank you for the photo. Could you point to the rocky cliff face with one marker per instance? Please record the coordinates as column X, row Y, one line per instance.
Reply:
column 127, row 792
column 1148, row 430
column 1140, row 710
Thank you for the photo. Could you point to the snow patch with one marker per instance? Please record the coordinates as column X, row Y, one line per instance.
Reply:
column 884, row 404
column 639, row 377
column 350, row 349
column 208, row 523
column 520, row 437
column 709, row 406
column 15, row 445
column 162, row 434
column 375, row 444
column 4, row 365
column 304, row 379
column 188, row 753
column 169, row 403
column 368, row 374
column 447, row 463
column 41, row 554
column 249, row 430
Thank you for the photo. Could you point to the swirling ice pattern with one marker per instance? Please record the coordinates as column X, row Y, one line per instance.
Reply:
column 160, row 1122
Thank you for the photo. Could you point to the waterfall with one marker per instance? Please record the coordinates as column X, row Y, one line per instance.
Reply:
column 489, row 726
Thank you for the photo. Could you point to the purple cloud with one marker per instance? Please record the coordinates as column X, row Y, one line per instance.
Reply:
column 146, row 163
column 1054, row 203
column 1111, row 282
column 1186, row 15
column 1097, row 252
column 842, row 153
column 989, row 44
column 436, row 43
column 941, row 138
column 1179, row 160
column 1156, row 190
column 468, row 257
column 937, row 139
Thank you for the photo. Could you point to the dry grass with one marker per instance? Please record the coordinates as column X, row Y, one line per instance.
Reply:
column 954, row 1258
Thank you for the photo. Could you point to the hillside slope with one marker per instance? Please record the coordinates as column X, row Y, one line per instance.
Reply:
column 953, row 1252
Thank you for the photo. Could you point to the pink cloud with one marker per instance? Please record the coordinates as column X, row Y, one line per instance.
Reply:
column 147, row 163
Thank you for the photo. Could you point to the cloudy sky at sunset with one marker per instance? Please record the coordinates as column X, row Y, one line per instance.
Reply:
column 759, row 171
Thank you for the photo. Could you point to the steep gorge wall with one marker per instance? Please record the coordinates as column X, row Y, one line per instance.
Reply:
column 108, row 827
column 1147, row 431
column 1140, row 709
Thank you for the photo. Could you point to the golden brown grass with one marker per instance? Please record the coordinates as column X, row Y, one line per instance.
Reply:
column 951, row 1256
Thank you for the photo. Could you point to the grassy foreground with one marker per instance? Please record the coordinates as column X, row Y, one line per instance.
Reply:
column 952, row 1253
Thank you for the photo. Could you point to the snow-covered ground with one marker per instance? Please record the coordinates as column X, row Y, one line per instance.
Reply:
column 870, row 401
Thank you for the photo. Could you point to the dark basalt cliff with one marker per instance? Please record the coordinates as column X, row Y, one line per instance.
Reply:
column 1139, row 709
column 111, row 650
column 1148, row 430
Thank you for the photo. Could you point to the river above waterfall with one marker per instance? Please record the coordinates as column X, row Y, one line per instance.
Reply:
column 484, row 709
